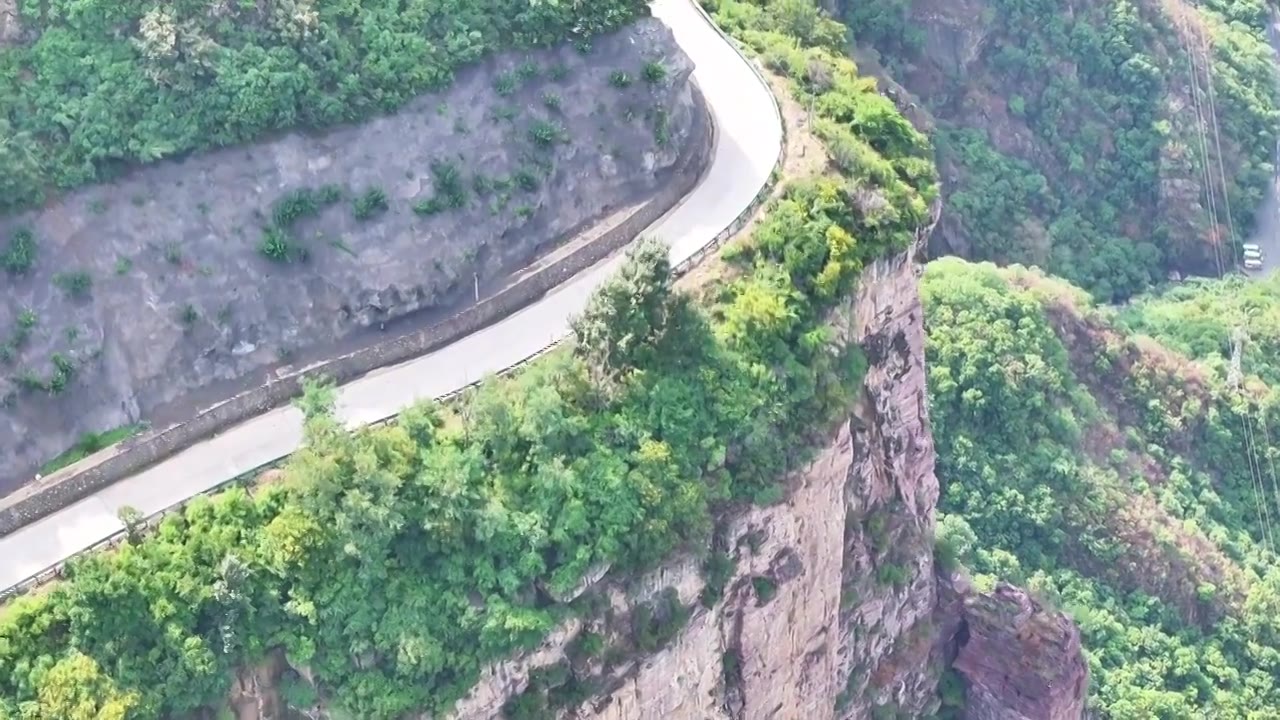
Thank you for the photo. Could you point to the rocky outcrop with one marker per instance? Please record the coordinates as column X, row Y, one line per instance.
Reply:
column 178, row 308
column 889, row 653
column 10, row 22
column 1020, row 661
column 769, row 646
column 833, row 608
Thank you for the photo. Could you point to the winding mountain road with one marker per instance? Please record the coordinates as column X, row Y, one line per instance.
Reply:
column 748, row 141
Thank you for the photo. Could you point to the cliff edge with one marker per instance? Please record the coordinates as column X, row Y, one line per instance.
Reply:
column 833, row 606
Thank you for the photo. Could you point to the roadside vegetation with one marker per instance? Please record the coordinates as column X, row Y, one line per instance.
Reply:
column 392, row 563
column 89, row 444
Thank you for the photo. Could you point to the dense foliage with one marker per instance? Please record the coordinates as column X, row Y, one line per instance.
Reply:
column 105, row 84
column 1125, row 482
column 1098, row 175
column 392, row 563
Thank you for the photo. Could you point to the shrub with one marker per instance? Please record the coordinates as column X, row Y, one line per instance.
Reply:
column 430, row 206
column 448, row 183
column 546, row 134
column 63, row 371
column 275, row 244
column 294, row 206
column 28, row 380
column 551, row 100
column 370, row 203
column 717, row 570
column 450, row 193
column 766, row 589
column 661, row 126
column 76, row 284
column 328, row 195
column 20, row 256
column 505, row 84
column 655, row 72
column 526, row 180
column 654, row 623
column 620, row 79
column 527, row 71
column 891, row 574
column 173, row 254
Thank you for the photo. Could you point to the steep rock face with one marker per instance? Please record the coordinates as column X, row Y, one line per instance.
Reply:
column 182, row 309
column 1020, row 662
column 890, row 651
column 833, row 608
column 768, row 649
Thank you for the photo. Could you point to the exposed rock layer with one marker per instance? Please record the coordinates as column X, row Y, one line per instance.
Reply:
column 1021, row 661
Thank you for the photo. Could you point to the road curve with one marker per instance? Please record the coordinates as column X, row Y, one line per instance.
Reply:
column 748, row 141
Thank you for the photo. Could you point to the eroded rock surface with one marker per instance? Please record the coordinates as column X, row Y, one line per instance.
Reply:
column 10, row 22
column 890, row 652
column 183, row 309
column 1020, row 661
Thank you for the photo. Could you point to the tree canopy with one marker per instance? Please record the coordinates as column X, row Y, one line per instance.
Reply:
column 105, row 84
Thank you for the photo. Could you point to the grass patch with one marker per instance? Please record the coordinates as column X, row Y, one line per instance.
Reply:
column 370, row 204
column 89, row 444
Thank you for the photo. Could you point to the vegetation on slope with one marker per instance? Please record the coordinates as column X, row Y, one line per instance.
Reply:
column 105, row 84
column 1114, row 476
column 394, row 562
column 1073, row 133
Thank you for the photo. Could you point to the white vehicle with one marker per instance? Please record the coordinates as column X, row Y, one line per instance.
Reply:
column 1251, row 247
column 1252, row 255
column 1252, row 263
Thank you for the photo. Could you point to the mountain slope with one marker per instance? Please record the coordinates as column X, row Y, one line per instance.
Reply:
column 1122, row 480
column 1068, row 133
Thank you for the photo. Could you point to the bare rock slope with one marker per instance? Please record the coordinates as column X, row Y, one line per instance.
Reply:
column 154, row 296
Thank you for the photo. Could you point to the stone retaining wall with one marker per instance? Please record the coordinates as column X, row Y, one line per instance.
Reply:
column 81, row 480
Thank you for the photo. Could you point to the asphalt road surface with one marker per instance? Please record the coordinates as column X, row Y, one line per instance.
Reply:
column 749, row 137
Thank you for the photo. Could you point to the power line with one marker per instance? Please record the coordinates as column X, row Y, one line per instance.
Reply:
column 1206, row 178
column 1217, row 142
column 1235, row 377
column 1255, row 473
column 1271, row 461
